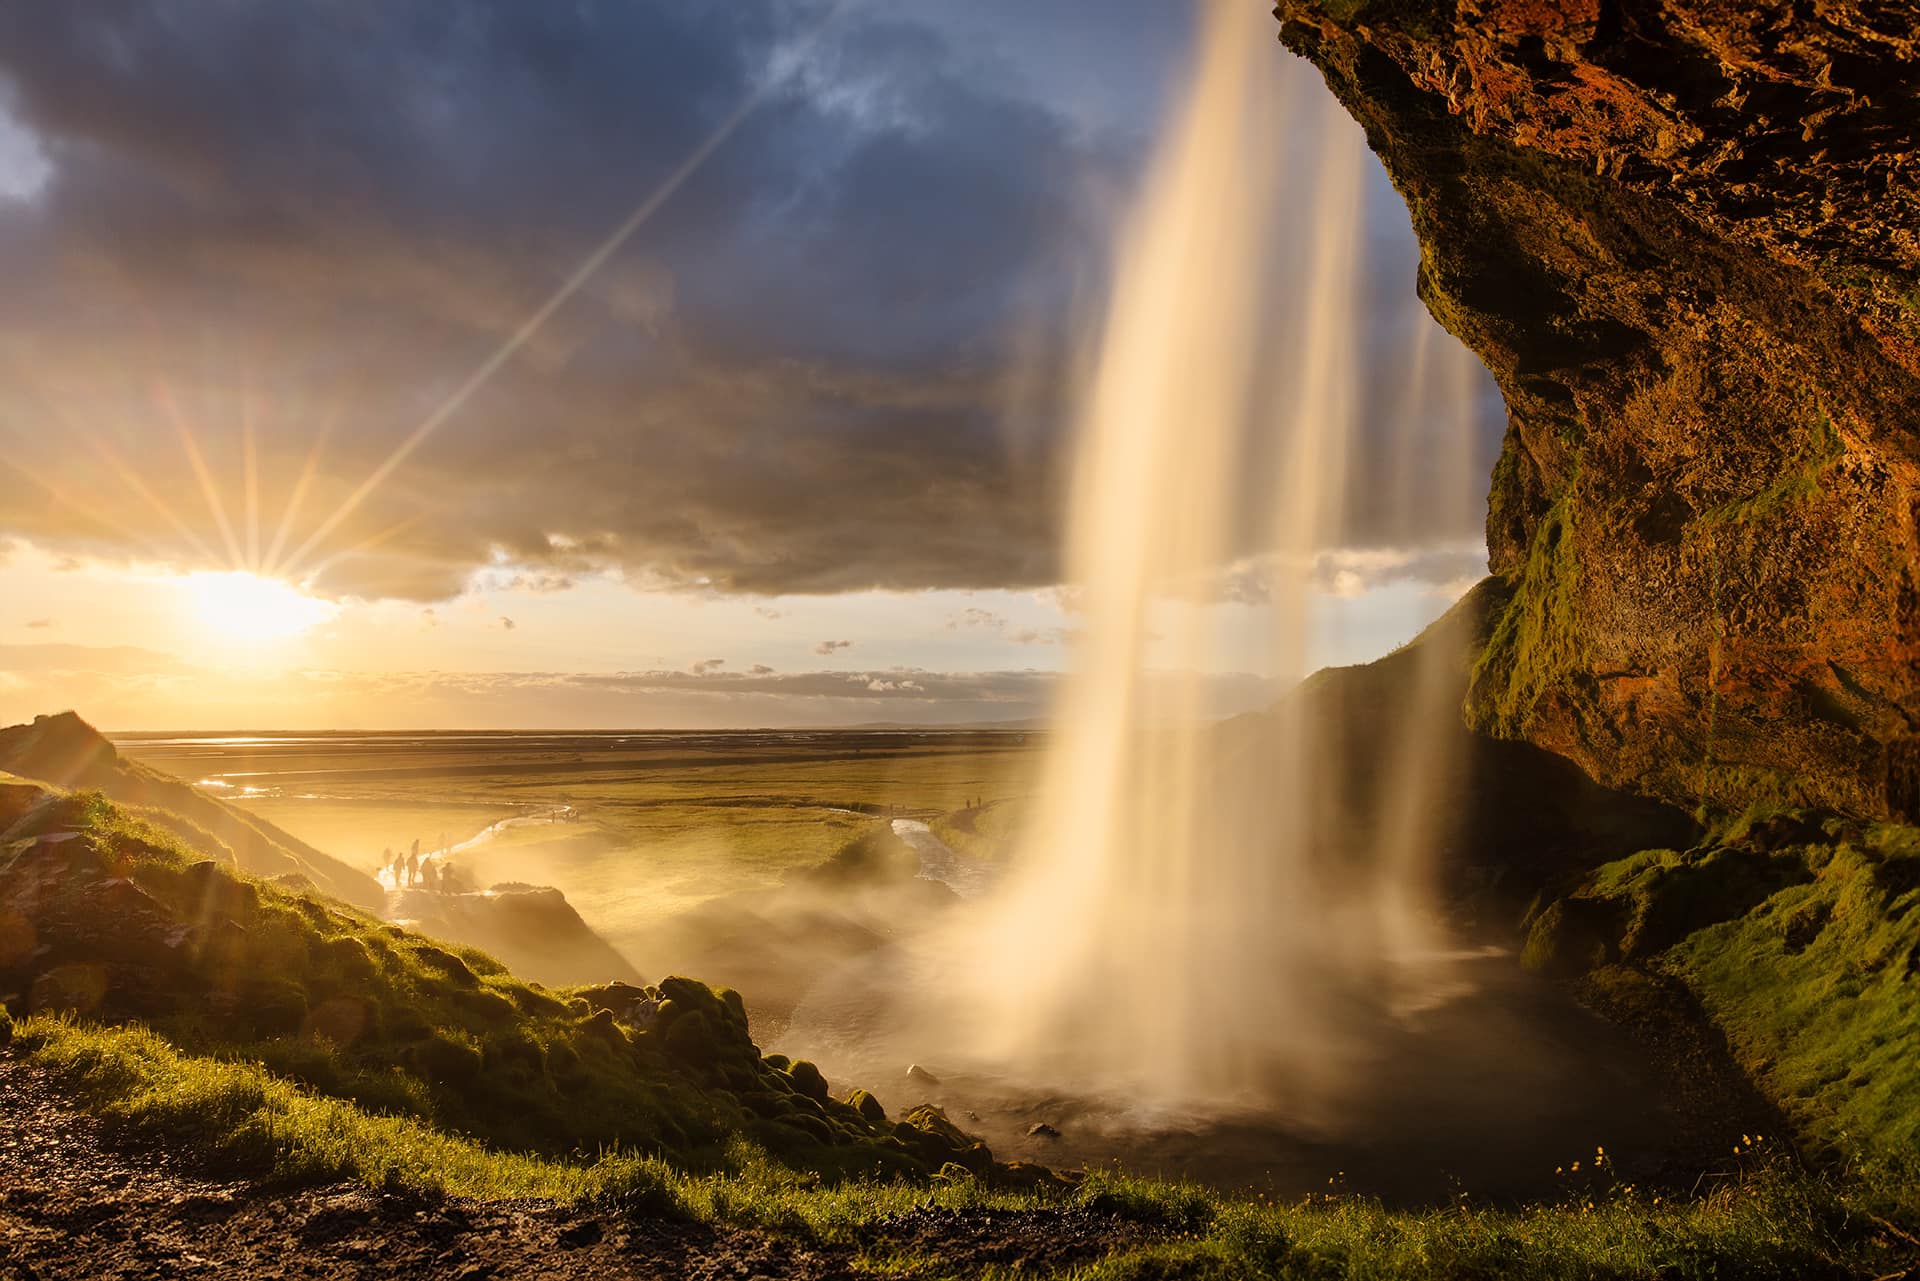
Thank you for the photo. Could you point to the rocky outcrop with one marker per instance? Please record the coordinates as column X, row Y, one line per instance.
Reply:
column 1685, row 237
column 66, row 751
column 532, row 928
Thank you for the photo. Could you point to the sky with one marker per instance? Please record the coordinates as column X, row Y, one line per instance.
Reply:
column 307, row 420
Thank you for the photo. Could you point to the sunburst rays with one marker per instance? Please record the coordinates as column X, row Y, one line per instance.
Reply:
column 243, row 545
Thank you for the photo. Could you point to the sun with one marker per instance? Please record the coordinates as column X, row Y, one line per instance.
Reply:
column 239, row 608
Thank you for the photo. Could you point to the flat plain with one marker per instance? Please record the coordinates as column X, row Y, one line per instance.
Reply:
column 634, row 828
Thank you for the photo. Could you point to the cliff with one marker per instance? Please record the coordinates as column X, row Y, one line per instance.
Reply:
column 1685, row 238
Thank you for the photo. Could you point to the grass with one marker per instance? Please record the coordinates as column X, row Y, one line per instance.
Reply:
column 528, row 1092
column 1803, row 948
column 240, row 1115
column 372, row 1016
column 986, row 832
column 652, row 840
column 1767, row 1220
column 1819, row 989
column 465, row 1080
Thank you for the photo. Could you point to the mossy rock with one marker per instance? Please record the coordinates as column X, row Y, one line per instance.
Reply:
column 404, row 1022
column 342, row 1020
column 441, row 961
column 603, row 1027
column 769, row 1106
column 213, row 890
column 513, row 1053
column 929, row 1119
column 1574, row 935
column 735, row 1006
column 868, row 1107
column 690, row 1039
column 808, row 1081
column 349, row 957
column 69, row 989
column 811, row 1126
column 487, row 1005
column 442, row 1059
column 272, row 1006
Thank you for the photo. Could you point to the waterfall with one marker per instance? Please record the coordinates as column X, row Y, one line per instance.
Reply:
column 1170, row 928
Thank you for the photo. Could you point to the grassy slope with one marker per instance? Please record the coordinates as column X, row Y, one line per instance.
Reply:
column 1768, row 1221
column 524, row 1092
column 65, row 751
column 1802, row 943
column 134, row 927
column 986, row 832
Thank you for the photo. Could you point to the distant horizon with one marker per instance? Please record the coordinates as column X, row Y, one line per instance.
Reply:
column 872, row 727
column 565, row 430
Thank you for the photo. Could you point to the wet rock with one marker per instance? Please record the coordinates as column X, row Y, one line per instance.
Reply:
column 1041, row 1130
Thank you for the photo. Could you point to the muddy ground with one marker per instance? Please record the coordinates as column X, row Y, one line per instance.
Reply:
column 75, row 1204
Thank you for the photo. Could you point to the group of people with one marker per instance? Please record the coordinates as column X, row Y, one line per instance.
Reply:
column 407, row 870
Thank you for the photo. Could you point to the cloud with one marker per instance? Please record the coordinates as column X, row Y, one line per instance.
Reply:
column 39, row 624
column 799, row 376
column 1347, row 572
column 389, row 189
column 508, row 624
column 973, row 616
column 832, row 646
column 987, row 620
column 708, row 666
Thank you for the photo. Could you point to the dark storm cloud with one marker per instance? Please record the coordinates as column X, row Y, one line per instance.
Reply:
column 307, row 224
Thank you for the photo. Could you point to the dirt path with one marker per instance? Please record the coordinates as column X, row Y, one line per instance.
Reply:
column 73, row 1205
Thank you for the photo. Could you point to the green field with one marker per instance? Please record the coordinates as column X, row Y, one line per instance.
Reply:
column 634, row 830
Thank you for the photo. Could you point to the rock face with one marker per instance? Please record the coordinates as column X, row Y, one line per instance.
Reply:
column 1685, row 237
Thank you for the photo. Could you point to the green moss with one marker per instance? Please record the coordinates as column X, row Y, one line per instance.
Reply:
column 1798, row 482
column 1801, row 940
column 1818, row 989
column 1533, row 647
